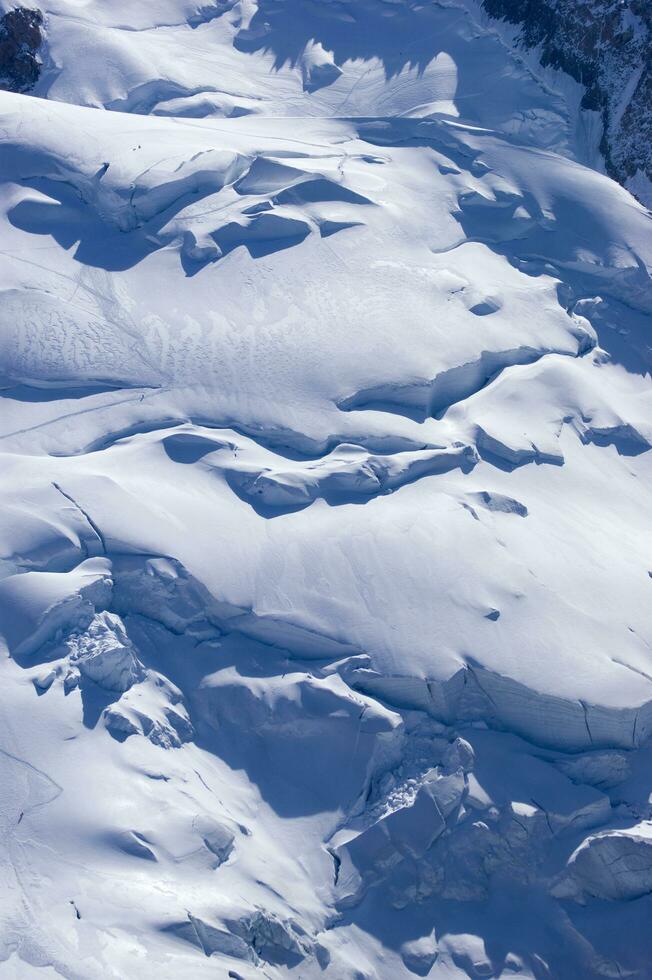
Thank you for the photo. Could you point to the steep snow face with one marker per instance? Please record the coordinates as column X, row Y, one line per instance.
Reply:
column 324, row 543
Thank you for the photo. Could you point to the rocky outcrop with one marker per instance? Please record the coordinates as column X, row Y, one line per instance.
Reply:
column 604, row 45
column 20, row 41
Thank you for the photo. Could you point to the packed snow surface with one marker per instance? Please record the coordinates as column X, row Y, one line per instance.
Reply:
column 325, row 552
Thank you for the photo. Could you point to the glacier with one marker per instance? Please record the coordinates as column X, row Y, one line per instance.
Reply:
column 325, row 540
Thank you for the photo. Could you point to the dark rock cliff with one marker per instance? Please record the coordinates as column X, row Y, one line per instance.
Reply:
column 606, row 45
column 20, row 40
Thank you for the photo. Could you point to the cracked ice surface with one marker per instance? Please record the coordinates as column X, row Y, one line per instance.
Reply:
column 325, row 564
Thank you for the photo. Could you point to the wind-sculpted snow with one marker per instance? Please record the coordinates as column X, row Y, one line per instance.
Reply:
column 325, row 564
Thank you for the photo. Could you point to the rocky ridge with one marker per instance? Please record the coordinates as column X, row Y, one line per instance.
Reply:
column 606, row 46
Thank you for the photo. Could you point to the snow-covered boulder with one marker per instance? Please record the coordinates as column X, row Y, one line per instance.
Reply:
column 614, row 865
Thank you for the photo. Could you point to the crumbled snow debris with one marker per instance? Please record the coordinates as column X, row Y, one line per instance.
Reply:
column 103, row 653
column 152, row 707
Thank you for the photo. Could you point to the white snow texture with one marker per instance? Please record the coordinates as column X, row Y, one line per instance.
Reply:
column 325, row 551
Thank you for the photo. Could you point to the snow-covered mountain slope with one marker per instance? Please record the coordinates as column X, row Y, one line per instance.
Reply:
column 325, row 537
column 362, row 57
column 298, row 58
